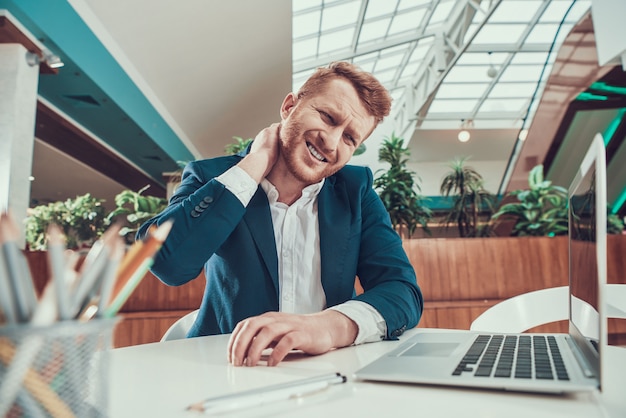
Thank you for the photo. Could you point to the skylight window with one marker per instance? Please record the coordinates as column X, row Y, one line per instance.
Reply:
column 408, row 44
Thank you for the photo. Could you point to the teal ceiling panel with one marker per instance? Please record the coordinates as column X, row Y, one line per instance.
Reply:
column 95, row 91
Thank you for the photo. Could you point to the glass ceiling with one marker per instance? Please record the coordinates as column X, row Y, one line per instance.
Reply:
column 445, row 62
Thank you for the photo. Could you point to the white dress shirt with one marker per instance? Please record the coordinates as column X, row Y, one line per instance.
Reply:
column 297, row 239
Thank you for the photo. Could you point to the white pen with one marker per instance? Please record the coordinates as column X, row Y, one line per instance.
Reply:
column 268, row 394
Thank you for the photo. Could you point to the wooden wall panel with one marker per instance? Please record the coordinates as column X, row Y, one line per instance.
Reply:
column 616, row 259
column 144, row 327
column 493, row 268
column 151, row 294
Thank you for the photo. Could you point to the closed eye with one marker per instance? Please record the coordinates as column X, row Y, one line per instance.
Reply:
column 327, row 117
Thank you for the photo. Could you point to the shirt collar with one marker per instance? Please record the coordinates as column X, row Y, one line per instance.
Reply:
column 309, row 193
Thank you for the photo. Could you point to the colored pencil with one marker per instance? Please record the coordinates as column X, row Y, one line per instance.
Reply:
column 135, row 265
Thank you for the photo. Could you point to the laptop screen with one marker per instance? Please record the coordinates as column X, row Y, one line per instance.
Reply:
column 587, row 252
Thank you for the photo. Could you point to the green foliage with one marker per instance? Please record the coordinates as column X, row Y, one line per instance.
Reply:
column 360, row 150
column 82, row 220
column 470, row 200
column 540, row 211
column 614, row 224
column 397, row 189
column 135, row 208
column 239, row 145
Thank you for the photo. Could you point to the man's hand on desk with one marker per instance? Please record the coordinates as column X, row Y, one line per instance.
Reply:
column 313, row 334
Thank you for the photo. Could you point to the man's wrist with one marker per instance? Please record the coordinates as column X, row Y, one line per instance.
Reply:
column 343, row 329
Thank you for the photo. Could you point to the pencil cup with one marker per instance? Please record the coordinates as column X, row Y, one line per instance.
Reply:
column 55, row 371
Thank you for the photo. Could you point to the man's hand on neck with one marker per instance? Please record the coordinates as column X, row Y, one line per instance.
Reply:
column 263, row 154
column 263, row 162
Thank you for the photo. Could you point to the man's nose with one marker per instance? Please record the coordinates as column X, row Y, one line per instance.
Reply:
column 331, row 138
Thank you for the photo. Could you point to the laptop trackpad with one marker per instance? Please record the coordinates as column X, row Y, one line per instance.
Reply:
column 430, row 349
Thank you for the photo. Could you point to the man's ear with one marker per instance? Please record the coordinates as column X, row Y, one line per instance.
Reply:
column 288, row 105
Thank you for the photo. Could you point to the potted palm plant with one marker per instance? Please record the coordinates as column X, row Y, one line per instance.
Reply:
column 470, row 200
column 398, row 190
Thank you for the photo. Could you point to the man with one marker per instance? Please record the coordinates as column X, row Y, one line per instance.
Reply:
column 283, row 229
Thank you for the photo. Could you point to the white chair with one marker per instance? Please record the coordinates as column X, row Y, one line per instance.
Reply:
column 523, row 312
column 178, row 330
column 616, row 300
column 528, row 310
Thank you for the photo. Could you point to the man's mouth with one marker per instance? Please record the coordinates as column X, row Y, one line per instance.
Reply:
column 315, row 153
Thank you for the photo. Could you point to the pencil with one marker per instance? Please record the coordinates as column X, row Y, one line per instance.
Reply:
column 135, row 265
column 92, row 269
column 99, row 301
column 56, row 259
column 7, row 306
column 23, row 289
column 108, row 281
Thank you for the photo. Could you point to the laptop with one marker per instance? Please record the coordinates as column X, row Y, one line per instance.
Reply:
column 550, row 363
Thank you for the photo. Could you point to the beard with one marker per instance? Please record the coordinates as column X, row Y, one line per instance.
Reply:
column 291, row 145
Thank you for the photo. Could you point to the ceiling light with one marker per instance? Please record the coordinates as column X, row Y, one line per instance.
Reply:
column 464, row 134
column 492, row 71
column 523, row 134
column 53, row 61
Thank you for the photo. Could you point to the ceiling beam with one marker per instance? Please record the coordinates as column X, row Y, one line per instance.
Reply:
column 68, row 138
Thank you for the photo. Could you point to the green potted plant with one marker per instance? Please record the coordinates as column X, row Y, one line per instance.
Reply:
column 614, row 224
column 398, row 190
column 541, row 210
column 134, row 208
column 82, row 219
column 470, row 200
column 240, row 144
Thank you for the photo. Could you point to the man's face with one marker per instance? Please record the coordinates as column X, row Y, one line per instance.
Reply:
column 320, row 132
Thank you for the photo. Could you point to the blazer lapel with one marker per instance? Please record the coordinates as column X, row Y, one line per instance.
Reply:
column 259, row 221
column 334, row 226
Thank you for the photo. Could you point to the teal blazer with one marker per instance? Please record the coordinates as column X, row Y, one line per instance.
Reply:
column 235, row 246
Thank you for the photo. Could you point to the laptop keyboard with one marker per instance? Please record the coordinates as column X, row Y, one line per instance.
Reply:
column 514, row 356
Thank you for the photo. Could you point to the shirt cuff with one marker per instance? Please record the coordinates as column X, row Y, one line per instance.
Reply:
column 239, row 183
column 371, row 324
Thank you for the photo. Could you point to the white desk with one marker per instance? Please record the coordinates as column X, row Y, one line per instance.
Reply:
column 162, row 379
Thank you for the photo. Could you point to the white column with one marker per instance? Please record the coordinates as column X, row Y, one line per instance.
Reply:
column 18, row 105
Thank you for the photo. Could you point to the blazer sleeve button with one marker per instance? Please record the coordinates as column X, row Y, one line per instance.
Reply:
column 399, row 331
column 194, row 214
column 208, row 199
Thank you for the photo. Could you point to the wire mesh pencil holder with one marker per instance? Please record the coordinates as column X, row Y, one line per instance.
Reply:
column 55, row 371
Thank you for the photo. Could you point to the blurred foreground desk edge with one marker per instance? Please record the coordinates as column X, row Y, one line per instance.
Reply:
column 161, row 379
